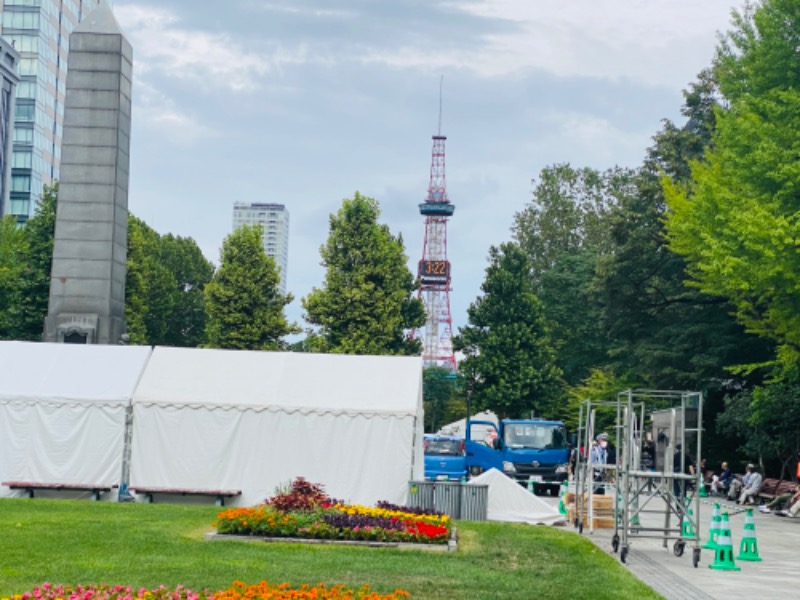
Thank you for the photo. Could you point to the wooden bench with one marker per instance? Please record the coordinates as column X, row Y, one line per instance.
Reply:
column 148, row 492
column 772, row 488
column 30, row 486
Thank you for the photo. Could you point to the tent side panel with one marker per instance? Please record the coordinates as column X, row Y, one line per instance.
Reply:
column 61, row 443
column 357, row 458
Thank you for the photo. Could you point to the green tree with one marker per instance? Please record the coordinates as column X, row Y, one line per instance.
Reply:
column 39, row 232
column 738, row 220
column 366, row 304
column 509, row 362
column 765, row 422
column 11, row 275
column 564, row 232
column 149, row 303
column 191, row 272
column 661, row 332
column 243, row 301
column 602, row 385
column 438, row 390
column 166, row 276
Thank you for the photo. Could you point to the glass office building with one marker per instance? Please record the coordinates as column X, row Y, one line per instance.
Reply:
column 9, row 79
column 274, row 218
column 39, row 30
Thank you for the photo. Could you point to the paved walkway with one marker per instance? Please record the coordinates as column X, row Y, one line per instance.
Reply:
column 776, row 576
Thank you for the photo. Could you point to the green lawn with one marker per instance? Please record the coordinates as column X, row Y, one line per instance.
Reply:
column 63, row 541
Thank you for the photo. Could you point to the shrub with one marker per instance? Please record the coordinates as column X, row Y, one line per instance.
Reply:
column 302, row 495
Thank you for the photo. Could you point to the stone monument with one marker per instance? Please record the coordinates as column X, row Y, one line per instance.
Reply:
column 87, row 281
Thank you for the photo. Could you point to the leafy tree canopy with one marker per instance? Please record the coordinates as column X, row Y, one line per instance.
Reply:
column 243, row 301
column 166, row 276
column 738, row 221
column 509, row 360
column 365, row 305
column 565, row 232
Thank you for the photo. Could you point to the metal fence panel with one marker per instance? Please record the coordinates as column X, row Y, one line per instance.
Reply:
column 474, row 502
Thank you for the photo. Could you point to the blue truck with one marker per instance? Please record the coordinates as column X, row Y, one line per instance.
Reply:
column 444, row 458
column 530, row 451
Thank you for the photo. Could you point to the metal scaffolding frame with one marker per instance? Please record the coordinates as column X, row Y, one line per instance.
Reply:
column 638, row 492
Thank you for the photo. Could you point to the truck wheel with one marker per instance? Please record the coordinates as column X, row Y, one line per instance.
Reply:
column 475, row 470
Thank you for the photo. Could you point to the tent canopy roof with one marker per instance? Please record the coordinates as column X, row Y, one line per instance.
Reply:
column 70, row 372
column 285, row 381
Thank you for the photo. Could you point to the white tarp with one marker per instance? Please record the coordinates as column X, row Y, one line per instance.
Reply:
column 62, row 411
column 459, row 428
column 510, row 502
column 251, row 421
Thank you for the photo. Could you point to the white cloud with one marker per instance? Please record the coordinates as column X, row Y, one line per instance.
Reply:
column 161, row 114
column 211, row 60
column 647, row 40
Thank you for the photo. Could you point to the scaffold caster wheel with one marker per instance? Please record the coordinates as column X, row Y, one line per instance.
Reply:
column 678, row 548
column 615, row 543
column 580, row 526
column 695, row 557
column 623, row 556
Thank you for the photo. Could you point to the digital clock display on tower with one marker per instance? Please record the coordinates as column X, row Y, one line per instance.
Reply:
column 434, row 272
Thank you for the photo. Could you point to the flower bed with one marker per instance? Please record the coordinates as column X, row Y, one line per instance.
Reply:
column 237, row 591
column 304, row 511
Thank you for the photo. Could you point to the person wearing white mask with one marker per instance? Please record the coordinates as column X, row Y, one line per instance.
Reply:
column 599, row 456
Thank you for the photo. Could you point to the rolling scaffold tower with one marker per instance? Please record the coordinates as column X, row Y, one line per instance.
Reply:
column 434, row 268
column 646, row 499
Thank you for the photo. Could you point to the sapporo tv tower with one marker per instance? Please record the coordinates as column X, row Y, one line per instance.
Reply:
column 434, row 268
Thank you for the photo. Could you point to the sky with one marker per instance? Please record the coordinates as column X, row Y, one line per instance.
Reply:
column 305, row 102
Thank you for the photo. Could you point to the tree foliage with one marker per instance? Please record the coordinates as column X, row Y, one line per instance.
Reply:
column 11, row 270
column 243, row 301
column 440, row 399
column 23, row 310
column 366, row 304
column 661, row 332
column 166, row 276
column 564, row 232
column 509, row 359
column 737, row 222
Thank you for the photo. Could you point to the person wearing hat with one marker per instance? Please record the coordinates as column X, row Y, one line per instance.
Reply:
column 599, row 455
column 751, row 487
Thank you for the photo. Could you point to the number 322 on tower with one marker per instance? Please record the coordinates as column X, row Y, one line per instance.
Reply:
column 434, row 271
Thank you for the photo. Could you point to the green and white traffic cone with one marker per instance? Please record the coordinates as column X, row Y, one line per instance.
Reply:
column 748, row 550
column 723, row 559
column 703, row 493
column 713, row 530
column 562, row 508
column 687, row 531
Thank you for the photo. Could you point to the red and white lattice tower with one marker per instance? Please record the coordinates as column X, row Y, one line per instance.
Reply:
column 434, row 268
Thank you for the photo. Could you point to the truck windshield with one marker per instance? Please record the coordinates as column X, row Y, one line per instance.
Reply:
column 536, row 437
column 444, row 447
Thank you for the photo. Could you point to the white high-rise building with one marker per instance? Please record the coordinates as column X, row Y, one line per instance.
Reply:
column 274, row 218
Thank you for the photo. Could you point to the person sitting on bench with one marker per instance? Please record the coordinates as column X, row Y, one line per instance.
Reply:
column 782, row 502
column 720, row 483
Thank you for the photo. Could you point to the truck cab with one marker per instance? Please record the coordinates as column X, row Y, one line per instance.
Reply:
column 530, row 451
column 444, row 458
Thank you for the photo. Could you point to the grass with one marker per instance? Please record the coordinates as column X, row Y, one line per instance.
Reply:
column 65, row 541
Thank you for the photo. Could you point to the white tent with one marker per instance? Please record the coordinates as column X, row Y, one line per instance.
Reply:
column 62, row 411
column 251, row 421
column 510, row 502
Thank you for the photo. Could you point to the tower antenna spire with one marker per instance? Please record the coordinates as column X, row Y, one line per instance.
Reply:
column 441, row 86
column 434, row 268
